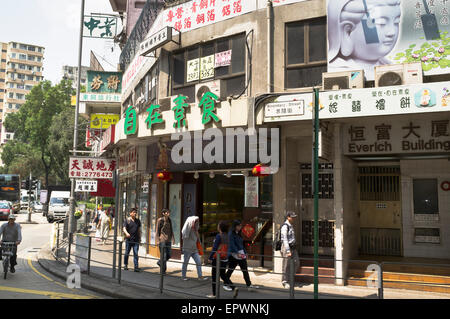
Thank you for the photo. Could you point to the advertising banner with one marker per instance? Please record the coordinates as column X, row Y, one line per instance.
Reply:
column 91, row 167
column 388, row 100
column 366, row 33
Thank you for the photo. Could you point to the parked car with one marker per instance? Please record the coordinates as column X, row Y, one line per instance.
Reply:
column 5, row 210
column 37, row 207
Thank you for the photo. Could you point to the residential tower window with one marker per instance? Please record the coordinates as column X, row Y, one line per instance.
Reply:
column 306, row 53
column 188, row 70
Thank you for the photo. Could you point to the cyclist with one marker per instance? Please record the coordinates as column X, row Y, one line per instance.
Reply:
column 11, row 232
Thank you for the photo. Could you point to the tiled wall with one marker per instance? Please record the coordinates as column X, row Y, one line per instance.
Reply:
column 439, row 169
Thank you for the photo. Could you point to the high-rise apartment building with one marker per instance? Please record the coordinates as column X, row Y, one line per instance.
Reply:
column 71, row 73
column 21, row 69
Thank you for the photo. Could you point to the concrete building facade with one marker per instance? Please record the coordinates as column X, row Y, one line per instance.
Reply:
column 376, row 176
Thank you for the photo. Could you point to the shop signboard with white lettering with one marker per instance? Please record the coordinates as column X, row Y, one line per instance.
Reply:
column 382, row 137
column 82, row 185
column 91, row 167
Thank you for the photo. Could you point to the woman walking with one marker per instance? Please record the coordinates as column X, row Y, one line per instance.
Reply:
column 237, row 254
column 219, row 250
column 190, row 238
column 105, row 225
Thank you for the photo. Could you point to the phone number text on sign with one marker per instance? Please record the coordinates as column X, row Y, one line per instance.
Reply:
column 91, row 167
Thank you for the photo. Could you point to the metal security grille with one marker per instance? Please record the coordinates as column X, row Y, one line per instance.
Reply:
column 326, row 233
column 380, row 241
column 379, row 183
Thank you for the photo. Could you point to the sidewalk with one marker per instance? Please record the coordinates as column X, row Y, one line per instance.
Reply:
column 145, row 285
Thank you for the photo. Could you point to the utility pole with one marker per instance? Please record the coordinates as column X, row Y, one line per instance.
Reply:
column 315, row 172
column 75, row 129
column 29, row 199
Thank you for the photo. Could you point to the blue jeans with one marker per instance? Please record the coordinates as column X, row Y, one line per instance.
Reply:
column 128, row 246
column 187, row 255
column 165, row 250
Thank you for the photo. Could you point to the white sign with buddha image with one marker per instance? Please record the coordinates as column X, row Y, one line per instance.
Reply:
column 365, row 33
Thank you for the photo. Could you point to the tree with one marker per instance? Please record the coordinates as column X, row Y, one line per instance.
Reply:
column 32, row 124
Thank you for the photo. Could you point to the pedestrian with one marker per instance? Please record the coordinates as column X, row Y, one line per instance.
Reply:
column 104, row 225
column 164, row 238
column 132, row 230
column 191, row 237
column 11, row 232
column 237, row 254
column 288, row 247
column 98, row 233
column 220, row 247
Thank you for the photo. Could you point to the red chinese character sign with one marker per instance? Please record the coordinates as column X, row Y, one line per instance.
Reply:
column 91, row 167
column 198, row 13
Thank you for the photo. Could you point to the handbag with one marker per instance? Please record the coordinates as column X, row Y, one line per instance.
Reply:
column 199, row 248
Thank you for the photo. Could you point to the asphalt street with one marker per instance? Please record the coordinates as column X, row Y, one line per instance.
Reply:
column 30, row 281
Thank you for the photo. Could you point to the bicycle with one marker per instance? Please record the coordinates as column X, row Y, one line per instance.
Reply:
column 7, row 252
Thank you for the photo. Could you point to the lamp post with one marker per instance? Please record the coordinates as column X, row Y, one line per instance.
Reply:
column 315, row 172
column 75, row 130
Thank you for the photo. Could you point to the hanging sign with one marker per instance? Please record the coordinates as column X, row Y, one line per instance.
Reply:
column 82, row 185
column 251, row 191
column 91, row 167
column 222, row 59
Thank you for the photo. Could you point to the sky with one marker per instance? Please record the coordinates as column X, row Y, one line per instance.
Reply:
column 55, row 25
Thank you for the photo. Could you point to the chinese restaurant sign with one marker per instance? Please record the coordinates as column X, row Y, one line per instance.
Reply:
column 389, row 100
column 104, row 82
column 388, row 32
column 396, row 137
column 207, row 104
column 91, row 167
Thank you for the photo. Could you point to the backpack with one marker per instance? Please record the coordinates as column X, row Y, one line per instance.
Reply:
column 278, row 242
column 222, row 250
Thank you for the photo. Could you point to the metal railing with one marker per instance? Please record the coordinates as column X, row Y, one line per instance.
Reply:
column 372, row 270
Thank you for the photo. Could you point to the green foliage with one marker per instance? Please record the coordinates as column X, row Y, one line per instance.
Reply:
column 33, row 147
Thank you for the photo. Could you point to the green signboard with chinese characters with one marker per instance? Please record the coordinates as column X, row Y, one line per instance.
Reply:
column 100, row 26
column 104, row 82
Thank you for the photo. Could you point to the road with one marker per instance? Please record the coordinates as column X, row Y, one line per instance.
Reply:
column 30, row 281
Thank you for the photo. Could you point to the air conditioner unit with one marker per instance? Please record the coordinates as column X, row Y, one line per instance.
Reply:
column 217, row 87
column 398, row 74
column 343, row 80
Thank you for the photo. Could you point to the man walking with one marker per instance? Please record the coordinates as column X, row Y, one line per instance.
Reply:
column 288, row 247
column 132, row 231
column 164, row 237
column 11, row 232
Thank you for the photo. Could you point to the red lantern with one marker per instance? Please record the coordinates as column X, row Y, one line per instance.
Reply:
column 164, row 176
column 261, row 170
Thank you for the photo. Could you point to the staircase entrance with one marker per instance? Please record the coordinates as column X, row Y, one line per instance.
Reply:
column 380, row 211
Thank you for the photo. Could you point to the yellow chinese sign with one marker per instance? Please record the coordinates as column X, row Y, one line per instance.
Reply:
column 103, row 120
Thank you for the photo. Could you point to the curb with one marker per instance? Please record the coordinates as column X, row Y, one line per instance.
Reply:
column 101, row 285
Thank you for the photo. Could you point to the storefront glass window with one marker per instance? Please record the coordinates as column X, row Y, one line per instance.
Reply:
column 223, row 199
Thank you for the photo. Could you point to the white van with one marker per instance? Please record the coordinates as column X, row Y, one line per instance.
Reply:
column 58, row 206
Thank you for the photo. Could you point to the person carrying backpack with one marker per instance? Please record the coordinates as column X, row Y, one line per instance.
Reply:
column 288, row 247
column 220, row 248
